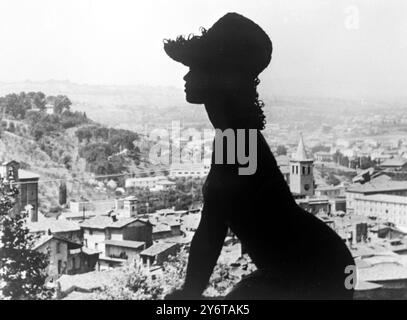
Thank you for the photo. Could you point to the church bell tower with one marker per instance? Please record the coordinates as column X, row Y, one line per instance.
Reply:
column 301, row 172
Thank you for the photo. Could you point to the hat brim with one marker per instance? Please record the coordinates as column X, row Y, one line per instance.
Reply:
column 185, row 51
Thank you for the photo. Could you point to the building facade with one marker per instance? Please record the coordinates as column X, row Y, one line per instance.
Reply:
column 389, row 208
column 101, row 228
column 397, row 188
column 27, row 183
column 66, row 257
column 189, row 170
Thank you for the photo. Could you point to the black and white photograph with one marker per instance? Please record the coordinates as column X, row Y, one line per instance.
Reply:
column 222, row 152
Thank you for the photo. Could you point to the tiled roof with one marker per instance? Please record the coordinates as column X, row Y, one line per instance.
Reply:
column 171, row 221
column 394, row 162
column 181, row 239
column 157, row 219
column 26, row 175
column 364, row 286
column 103, row 222
column 111, row 259
column 382, row 266
column 383, row 272
column 44, row 239
column 41, row 241
column 157, row 248
column 73, row 214
column 161, row 227
column 379, row 186
column 367, row 250
column 283, row 160
column 327, row 188
column 90, row 251
column 191, row 221
column 125, row 243
column 54, row 225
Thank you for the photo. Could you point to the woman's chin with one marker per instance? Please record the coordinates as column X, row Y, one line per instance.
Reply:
column 193, row 99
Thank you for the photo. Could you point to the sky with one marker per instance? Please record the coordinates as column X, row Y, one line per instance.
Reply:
column 321, row 47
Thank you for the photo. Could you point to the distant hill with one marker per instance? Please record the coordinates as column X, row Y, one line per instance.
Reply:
column 111, row 105
column 137, row 107
column 101, row 94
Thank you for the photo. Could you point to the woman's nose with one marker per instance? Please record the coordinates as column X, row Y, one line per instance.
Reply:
column 186, row 77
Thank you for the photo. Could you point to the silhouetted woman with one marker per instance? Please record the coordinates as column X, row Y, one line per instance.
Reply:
column 296, row 254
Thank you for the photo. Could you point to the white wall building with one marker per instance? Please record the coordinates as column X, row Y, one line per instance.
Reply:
column 146, row 182
column 390, row 208
column 189, row 170
column 397, row 188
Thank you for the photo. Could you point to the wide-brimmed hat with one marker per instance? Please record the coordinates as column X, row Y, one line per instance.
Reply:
column 234, row 42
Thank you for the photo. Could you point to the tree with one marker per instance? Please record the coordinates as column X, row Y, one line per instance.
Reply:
column 319, row 148
column 281, row 150
column 84, row 133
column 71, row 119
column 133, row 282
column 12, row 127
column 39, row 100
column 332, row 179
column 61, row 103
column 122, row 138
column 16, row 105
column 366, row 162
column 67, row 161
column 337, row 157
column 62, row 193
column 22, row 269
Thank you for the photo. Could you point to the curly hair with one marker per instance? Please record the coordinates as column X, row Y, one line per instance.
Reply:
column 247, row 107
column 259, row 105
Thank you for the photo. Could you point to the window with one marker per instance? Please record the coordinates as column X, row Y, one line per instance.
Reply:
column 296, row 169
column 303, row 170
column 58, row 247
column 309, row 169
column 73, row 263
column 59, row 266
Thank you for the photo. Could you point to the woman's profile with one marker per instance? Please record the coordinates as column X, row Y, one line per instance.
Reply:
column 297, row 256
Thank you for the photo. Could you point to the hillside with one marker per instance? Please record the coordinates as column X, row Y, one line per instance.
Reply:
column 65, row 145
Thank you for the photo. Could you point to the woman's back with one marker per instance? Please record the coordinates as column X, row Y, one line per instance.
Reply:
column 277, row 234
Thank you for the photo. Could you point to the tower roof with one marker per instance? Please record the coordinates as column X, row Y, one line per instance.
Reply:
column 301, row 154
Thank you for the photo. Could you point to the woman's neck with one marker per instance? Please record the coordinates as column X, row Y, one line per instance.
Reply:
column 230, row 115
column 218, row 114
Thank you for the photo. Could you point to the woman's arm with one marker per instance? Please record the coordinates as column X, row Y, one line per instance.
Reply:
column 205, row 250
